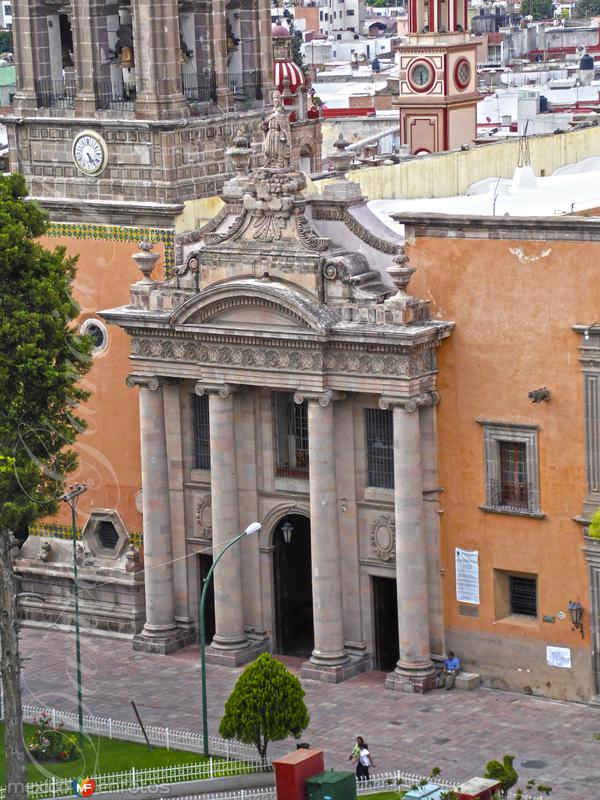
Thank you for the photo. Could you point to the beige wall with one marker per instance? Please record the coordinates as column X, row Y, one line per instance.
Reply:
column 448, row 174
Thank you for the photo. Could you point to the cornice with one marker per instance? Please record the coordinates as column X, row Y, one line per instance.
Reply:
column 564, row 228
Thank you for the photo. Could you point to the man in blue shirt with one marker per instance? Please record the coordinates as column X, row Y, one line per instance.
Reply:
column 450, row 671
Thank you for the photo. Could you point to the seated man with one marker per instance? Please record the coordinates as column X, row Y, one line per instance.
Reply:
column 450, row 671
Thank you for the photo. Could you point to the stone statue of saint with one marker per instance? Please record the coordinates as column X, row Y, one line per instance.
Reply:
column 278, row 136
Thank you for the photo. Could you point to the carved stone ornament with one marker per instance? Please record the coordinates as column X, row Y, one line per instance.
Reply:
column 204, row 517
column 278, row 135
column 133, row 559
column 45, row 553
column 383, row 537
column 340, row 214
column 410, row 404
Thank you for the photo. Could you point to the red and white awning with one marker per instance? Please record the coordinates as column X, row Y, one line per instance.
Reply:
column 290, row 70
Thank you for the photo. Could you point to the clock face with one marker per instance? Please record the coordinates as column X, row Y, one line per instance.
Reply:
column 90, row 153
column 421, row 76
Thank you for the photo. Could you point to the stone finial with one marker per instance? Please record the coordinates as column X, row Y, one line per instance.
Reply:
column 341, row 160
column 400, row 272
column 241, row 152
column 146, row 261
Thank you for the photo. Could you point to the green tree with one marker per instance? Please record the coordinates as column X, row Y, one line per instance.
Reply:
column 41, row 362
column 504, row 772
column 265, row 706
column 6, row 42
column 538, row 9
column 587, row 8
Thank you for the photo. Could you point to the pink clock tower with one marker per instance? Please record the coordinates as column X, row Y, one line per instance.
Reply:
column 437, row 81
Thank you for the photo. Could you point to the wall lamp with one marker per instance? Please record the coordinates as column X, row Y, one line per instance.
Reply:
column 576, row 613
column 287, row 529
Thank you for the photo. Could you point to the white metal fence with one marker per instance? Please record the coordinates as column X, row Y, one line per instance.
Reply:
column 387, row 781
column 161, row 737
column 158, row 778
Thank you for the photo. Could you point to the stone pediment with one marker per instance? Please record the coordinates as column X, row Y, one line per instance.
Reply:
column 255, row 304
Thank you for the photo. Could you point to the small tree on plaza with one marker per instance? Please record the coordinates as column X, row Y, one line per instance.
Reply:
column 266, row 705
column 41, row 361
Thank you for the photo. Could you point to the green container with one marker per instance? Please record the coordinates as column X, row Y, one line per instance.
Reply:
column 331, row 786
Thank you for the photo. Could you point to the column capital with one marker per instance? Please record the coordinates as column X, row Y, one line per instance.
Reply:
column 151, row 382
column 323, row 398
column 222, row 389
column 410, row 404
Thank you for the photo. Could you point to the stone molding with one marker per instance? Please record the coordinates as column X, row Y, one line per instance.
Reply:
column 285, row 356
column 204, row 516
column 323, row 398
column 409, row 404
column 341, row 214
column 383, row 537
column 224, row 390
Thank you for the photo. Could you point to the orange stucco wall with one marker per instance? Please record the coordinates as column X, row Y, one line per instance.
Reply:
column 109, row 450
column 514, row 303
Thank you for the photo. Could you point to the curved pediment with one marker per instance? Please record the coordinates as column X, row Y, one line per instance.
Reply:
column 255, row 304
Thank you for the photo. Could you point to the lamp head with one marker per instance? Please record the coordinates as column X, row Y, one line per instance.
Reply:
column 254, row 527
column 74, row 491
column 287, row 529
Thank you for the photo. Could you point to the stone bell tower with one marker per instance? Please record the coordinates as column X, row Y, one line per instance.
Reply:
column 437, row 78
column 123, row 113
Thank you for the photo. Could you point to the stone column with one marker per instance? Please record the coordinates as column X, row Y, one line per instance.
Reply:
column 329, row 658
column 157, row 60
column 265, row 50
column 160, row 633
column 230, row 644
column 414, row 670
column 219, row 43
column 26, row 24
column 85, row 61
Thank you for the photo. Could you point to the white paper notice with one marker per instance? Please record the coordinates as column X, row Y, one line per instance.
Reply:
column 467, row 576
column 558, row 657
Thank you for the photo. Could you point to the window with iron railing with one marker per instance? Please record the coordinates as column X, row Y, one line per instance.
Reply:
column 380, row 448
column 201, row 430
column 291, row 436
column 523, row 595
column 511, row 468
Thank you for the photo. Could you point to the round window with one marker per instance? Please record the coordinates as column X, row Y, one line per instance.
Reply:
column 97, row 333
column 462, row 73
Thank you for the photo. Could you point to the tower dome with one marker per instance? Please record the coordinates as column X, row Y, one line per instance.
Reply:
column 279, row 31
column 291, row 71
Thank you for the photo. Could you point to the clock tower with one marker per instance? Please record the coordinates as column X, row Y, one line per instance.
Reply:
column 437, row 78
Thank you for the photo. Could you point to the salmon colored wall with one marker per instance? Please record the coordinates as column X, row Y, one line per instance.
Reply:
column 109, row 450
column 514, row 303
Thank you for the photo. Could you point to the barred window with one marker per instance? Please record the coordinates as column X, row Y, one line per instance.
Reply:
column 107, row 534
column 291, row 436
column 511, row 468
column 380, row 448
column 201, row 432
column 523, row 595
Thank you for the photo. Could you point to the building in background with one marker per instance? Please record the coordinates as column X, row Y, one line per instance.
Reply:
column 6, row 14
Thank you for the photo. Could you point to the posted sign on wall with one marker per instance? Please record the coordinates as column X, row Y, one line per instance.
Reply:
column 467, row 576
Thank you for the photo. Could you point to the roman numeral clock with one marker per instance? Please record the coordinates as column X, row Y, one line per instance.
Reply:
column 90, row 153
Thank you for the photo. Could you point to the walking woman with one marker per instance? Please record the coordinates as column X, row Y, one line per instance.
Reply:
column 364, row 762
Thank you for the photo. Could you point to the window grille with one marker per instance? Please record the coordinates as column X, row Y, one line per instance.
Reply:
column 107, row 534
column 291, row 431
column 523, row 595
column 201, row 432
column 380, row 448
column 514, row 490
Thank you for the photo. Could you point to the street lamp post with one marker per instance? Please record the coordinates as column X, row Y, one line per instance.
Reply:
column 253, row 528
column 70, row 498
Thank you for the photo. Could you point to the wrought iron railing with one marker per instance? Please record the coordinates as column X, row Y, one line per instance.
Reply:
column 56, row 94
column 246, row 86
column 510, row 496
column 114, row 95
column 199, row 87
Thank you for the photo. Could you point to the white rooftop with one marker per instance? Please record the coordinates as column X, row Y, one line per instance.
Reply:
column 570, row 189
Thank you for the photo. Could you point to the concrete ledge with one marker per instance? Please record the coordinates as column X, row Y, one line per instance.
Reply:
column 467, row 680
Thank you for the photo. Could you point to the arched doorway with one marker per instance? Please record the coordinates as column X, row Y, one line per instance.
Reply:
column 293, row 587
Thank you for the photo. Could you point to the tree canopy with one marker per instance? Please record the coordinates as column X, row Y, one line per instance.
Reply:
column 587, row 8
column 538, row 9
column 41, row 361
column 266, row 705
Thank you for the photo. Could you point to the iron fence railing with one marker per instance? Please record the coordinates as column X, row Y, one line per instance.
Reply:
column 56, row 94
column 114, row 95
column 199, row 87
column 246, row 86
column 510, row 496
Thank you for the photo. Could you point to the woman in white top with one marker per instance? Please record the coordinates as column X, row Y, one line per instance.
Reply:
column 364, row 762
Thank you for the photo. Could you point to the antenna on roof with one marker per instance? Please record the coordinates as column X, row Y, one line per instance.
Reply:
column 524, row 155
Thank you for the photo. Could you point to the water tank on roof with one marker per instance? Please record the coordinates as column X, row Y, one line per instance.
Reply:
column 543, row 104
column 586, row 62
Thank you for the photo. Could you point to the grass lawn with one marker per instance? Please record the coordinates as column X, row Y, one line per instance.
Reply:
column 102, row 755
column 385, row 795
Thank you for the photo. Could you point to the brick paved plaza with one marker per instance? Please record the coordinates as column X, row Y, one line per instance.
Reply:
column 458, row 731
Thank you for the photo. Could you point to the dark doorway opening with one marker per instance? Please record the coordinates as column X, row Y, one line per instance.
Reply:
column 204, row 565
column 385, row 603
column 293, row 587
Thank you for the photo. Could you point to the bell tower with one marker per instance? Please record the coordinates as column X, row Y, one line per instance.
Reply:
column 437, row 78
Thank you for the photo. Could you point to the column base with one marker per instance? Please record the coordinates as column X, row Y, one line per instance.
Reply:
column 234, row 656
column 420, row 682
column 162, row 642
column 334, row 673
column 594, row 701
